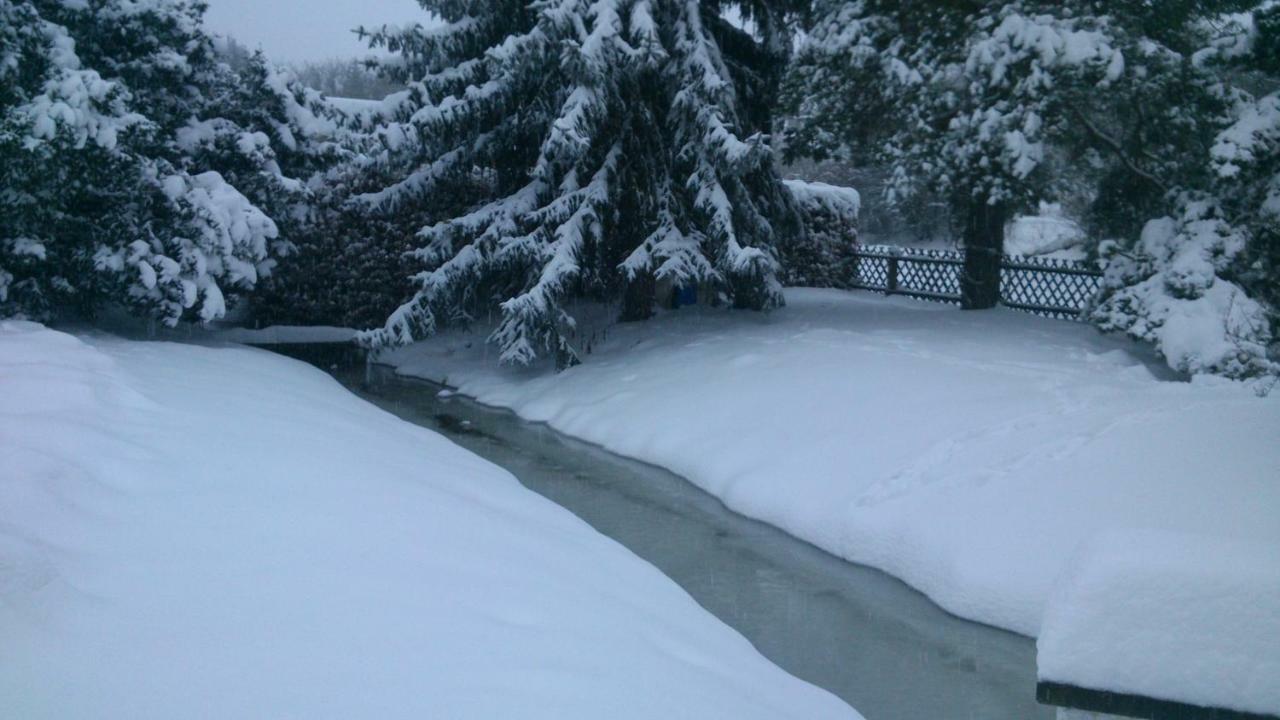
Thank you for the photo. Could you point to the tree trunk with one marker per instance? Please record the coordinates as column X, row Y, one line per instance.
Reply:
column 983, row 247
column 637, row 298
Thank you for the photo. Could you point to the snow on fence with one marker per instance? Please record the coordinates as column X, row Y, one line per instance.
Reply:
column 1043, row 286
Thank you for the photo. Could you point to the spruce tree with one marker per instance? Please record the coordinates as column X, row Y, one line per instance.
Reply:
column 1198, row 280
column 556, row 149
column 1246, row 154
column 285, row 147
column 119, row 163
column 269, row 136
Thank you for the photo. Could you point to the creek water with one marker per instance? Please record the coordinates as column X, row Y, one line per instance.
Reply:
column 883, row 647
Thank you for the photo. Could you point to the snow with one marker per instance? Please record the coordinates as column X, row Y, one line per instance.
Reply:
column 1171, row 616
column 1052, row 41
column 1048, row 233
column 354, row 106
column 966, row 453
column 230, row 247
column 74, row 100
column 221, row 532
column 838, row 201
column 1173, row 296
column 1248, row 140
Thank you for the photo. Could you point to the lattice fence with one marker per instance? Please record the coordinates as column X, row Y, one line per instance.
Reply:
column 1044, row 286
column 1047, row 286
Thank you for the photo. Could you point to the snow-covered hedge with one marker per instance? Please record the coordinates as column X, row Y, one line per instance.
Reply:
column 822, row 256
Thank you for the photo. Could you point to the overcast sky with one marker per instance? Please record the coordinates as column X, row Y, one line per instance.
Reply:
column 300, row 30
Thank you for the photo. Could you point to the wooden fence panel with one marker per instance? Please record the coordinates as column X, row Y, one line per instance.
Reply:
column 1044, row 286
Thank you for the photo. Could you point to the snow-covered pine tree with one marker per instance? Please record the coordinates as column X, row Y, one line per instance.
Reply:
column 1002, row 103
column 1246, row 154
column 348, row 268
column 286, row 148
column 1200, row 280
column 1263, row 39
column 269, row 136
column 552, row 149
column 111, row 149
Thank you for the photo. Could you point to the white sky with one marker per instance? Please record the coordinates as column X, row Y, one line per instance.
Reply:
column 302, row 30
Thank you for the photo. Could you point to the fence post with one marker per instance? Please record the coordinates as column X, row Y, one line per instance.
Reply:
column 983, row 247
column 891, row 274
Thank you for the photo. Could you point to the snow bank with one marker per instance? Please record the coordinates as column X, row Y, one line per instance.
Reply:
column 966, row 453
column 224, row 533
column 1169, row 616
column 1049, row 234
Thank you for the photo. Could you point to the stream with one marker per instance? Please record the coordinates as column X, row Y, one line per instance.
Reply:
column 883, row 647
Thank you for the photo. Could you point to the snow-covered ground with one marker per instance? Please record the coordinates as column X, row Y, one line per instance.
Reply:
column 1170, row 616
column 1049, row 233
column 221, row 532
column 967, row 453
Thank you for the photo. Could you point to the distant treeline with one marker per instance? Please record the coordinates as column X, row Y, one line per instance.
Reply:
column 335, row 77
